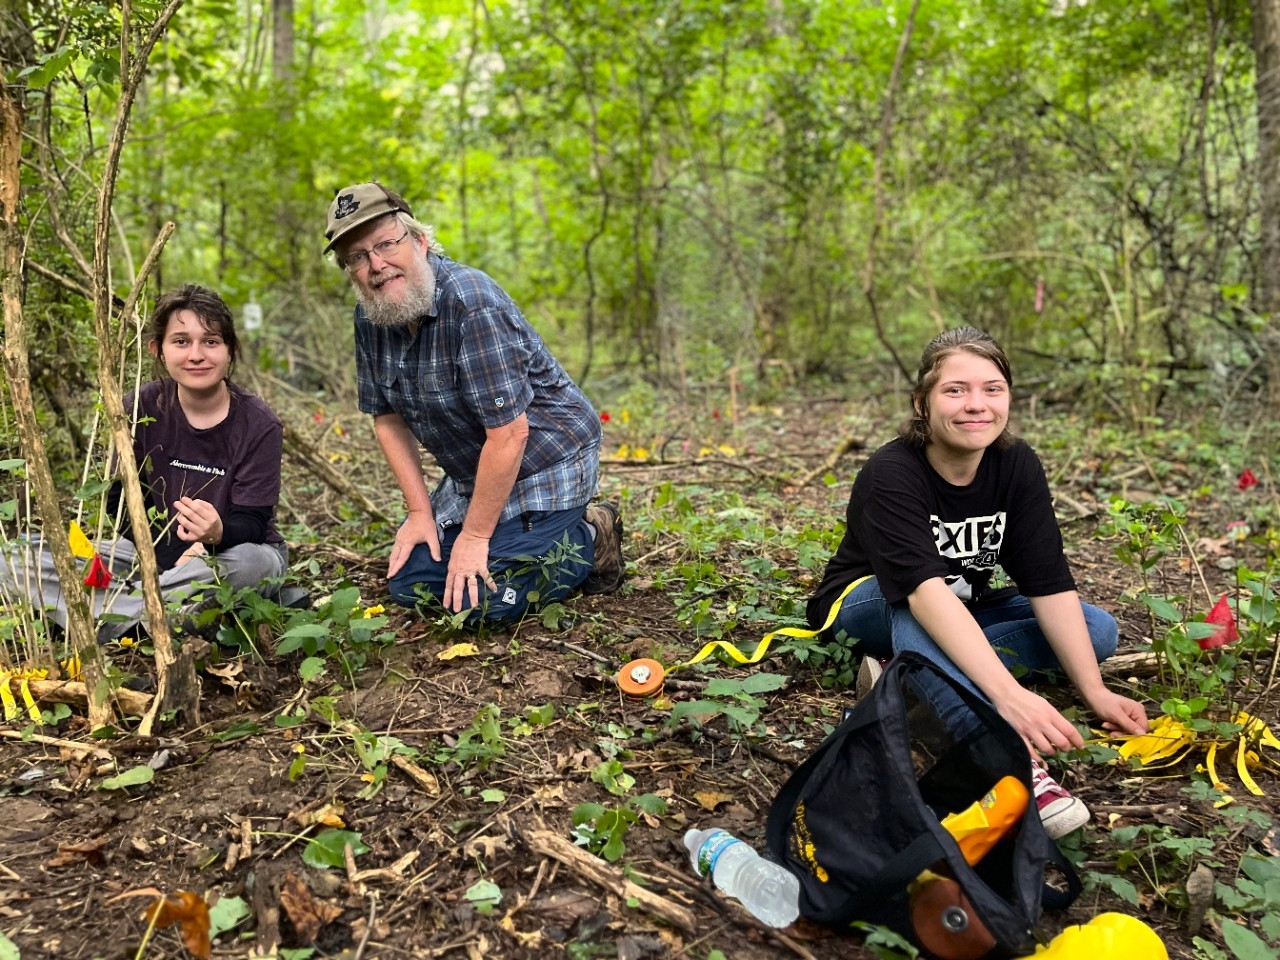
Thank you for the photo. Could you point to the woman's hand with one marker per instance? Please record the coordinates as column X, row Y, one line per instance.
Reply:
column 1118, row 714
column 1044, row 729
column 198, row 521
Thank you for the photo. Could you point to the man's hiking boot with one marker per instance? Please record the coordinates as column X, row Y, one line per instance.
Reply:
column 610, row 567
column 1060, row 812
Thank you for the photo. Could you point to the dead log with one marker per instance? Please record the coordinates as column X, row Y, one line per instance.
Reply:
column 610, row 878
column 129, row 702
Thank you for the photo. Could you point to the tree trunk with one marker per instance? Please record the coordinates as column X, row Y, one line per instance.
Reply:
column 17, row 370
column 282, row 41
column 1266, row 49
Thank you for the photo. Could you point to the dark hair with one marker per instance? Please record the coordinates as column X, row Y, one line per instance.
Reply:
column 968, row 339
column 212, row 310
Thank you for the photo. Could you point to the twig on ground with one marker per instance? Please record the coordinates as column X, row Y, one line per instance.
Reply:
column 368, row 927
column 760, row 748
column 1137, row 809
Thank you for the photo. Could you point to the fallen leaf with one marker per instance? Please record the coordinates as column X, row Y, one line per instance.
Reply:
column 458, row 650
column 307, row 913
column 229, row 673
column 87, row 851
column 1211, row 546
column 485, row 847
column 329, row 815
column 709, row 800
column 191, row 913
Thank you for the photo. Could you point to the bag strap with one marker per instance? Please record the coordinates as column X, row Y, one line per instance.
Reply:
column 897, row 874
column 1051, row 897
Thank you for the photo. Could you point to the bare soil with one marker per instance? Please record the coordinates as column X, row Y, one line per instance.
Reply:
column 222, row 817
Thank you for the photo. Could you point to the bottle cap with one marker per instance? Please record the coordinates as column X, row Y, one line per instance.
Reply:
column 641, row 678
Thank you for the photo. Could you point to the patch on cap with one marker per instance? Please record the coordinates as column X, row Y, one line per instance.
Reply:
column 347, row 205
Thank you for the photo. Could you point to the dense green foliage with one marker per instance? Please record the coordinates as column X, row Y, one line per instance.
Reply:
column 683, row 187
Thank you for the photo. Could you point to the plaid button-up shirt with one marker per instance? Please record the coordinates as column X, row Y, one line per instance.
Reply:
column 475, row 363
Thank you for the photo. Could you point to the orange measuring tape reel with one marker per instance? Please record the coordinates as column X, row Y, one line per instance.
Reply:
column 641, row 678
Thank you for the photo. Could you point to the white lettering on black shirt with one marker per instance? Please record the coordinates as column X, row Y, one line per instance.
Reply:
column 198, row 467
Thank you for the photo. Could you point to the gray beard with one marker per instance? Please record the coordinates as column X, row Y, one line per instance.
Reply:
column 419, row 298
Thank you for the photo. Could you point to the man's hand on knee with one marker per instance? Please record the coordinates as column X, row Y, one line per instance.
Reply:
column 418, row 527
column 468, row 567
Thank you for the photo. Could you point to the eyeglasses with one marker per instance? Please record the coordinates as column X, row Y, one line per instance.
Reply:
column 358, row 259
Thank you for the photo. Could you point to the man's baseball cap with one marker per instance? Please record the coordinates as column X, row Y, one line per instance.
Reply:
column 355, row 206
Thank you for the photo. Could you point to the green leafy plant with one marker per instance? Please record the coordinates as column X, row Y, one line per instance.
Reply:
column 480, row 744
column 328, row 848
column 736, row 699
column 374, row 753
column 601, row 829
column 341, row 629
column 613, row 778
column 1255, row 894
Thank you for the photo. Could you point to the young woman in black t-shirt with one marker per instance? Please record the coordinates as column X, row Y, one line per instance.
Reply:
column 931, row 515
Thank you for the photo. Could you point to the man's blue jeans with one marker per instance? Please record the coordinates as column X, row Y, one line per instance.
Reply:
column 883, row 629
column 535, row 559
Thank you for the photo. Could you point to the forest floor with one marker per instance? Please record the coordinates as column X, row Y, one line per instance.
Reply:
column 461, row 783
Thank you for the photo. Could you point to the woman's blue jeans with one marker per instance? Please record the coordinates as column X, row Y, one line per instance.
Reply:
column 882, row 629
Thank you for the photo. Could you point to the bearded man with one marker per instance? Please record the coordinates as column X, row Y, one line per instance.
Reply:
column 445, row 361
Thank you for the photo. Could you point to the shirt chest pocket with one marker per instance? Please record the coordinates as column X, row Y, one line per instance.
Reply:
column 422, row 393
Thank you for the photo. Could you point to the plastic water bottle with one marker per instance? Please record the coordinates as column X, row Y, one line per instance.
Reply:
column 769, row 891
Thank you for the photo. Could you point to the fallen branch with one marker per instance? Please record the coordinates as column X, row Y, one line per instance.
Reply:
column 297, row 446
column 130, row 702
column 845, row 446
column 601, row 874
column 98, row 752
column 1131, row 664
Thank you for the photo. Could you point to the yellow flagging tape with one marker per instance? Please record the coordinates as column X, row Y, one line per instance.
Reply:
column 737, row 656
column 72, row 667
column 1168, row 741
column 23, row 679
column 80, row 545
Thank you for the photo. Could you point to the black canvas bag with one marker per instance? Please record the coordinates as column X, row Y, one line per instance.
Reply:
column 861, row 818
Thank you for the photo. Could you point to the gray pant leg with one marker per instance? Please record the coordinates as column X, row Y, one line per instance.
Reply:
column 29, row 571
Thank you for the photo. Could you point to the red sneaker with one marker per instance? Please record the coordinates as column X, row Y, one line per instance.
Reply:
column 1060, row 812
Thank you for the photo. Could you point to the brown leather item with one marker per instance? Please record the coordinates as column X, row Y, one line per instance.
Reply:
column 945, row 923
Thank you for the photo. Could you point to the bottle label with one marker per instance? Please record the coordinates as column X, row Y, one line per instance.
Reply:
column 711, row 849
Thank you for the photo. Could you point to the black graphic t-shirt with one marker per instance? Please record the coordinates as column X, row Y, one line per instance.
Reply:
column 907, row 525
column 235, row 463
